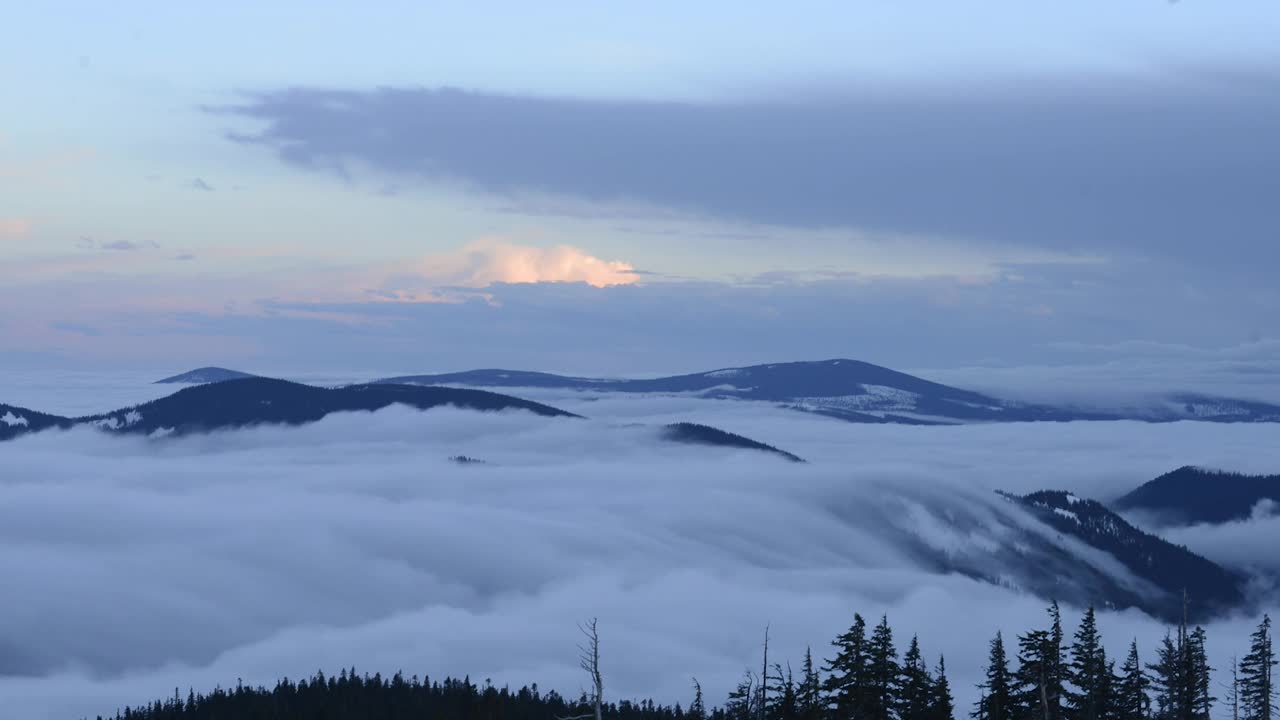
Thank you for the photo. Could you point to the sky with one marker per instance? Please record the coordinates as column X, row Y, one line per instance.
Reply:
column 133, row 566
column 995, row 192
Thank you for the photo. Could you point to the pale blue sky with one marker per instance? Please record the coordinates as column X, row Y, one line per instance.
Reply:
column 956, row 161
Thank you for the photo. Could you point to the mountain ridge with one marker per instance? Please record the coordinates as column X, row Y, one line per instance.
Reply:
column 1171, row 568
column 248, row 402
column 858, row 391
column 1190, row 495
column 201, row 376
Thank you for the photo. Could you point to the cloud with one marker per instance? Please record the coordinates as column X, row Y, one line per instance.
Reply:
column 12, row 228
column 970, row 335
column 88, row 243
column 361, row 544
column 1156, row 167
column 489, row 261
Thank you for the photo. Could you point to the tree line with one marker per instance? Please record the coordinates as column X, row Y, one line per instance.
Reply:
column 1051, row 677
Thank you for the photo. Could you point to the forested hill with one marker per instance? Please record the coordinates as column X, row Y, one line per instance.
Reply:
column 1171, row 568
column 350, row 696
column 1196, row 495
column 15, row 421
column 263, row 401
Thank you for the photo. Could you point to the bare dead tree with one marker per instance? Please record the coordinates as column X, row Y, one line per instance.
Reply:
column 589, row 661
column 764, row 678
column 1233, row 689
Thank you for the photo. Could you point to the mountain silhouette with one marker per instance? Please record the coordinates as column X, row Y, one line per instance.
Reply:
column 1191, row 495
column 1171, row 568
column 695, row 434
column 203, row 375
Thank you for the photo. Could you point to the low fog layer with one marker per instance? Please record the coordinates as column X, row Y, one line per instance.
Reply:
column 133, row 566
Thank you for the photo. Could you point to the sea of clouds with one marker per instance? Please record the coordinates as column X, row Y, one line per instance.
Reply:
column 133, row 566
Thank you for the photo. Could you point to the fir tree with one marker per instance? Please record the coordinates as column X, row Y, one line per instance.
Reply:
column 1090, row 673
column 809, row 694
column 941, row 704
column 1131, row 702
column 1168, row 681
column 1040, row 678
column 1200, row 690
column 997, row 701
column 786, row 705
column 883, row 673
column 848, row 680
column 697, row 710
column 741, row 704
column 1257, row 693
column 915, row 696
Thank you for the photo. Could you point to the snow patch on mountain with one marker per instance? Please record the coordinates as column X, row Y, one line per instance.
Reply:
column 880, row 398
column 728, row 373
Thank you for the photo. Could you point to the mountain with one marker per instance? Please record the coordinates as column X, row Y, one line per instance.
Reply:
column 257, row 401
column 203, row 375
column 861, row 392
column 15, row 421
column 1171, row 568
column 847, row 389
column 262, row 401
column 1191, row 495
column 695, row 434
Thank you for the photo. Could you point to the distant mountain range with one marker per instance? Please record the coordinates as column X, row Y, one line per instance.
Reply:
column 261, row 401
column 1191, row 495
column 1122, row 565
column 850, row 390
column 861, row 392
column 253, row 401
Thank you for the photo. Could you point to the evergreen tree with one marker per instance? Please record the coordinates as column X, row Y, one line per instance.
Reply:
column 1040, row 678
column 941, row 705
column 697, row 710
column 1090, row 673
column 915, row 696
column 848, row 677
column 742, row 702
column 1257, row 693
column 1168, row 681
column 1131, row 702
column 786, row 705
column 1201, row 690
column 997, row 701
column 809, row 694
column 883, row 673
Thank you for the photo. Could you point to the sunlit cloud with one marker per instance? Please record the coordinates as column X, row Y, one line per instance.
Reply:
column 490, row 260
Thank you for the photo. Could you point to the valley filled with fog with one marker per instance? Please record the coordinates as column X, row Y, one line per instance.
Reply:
column 133, row 565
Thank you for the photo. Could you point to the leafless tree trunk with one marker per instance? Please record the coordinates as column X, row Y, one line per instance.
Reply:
column 589, row 660
column 1233, row 688
column 764, row 678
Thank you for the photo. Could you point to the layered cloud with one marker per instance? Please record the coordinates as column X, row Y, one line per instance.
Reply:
column 1157, row 167
column 133, row 566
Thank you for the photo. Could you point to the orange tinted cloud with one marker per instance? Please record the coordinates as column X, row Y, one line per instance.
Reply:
column 490, row 261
